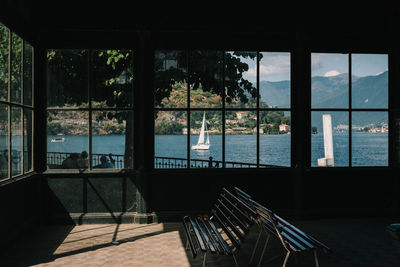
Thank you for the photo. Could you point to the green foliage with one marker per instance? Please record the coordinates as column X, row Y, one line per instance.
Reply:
column 166, row 127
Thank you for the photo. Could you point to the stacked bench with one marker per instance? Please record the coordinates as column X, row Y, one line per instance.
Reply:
column 221, row 232
column 225, row 229
column 292, row 239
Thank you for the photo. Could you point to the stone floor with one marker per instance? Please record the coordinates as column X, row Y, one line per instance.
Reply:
column 354, row 243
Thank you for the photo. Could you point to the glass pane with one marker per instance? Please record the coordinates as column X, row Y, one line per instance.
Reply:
column 370, row 139
column 275, row 135
column 16, row 141
column 240, row 79
column 16, row 69
column 28, row 140
column 113, row 78
column 240, row 139
column 274, row 80
column 170, row 83
column 28, row 72
column 205, row 76
column 112, row 139
column 4, row 40
column 206, row 141
column 3, row 141
column 67, row 138
column 329, row 80
column 67, row 78
column 370, row 81
column 170, row 139
column 329, row 138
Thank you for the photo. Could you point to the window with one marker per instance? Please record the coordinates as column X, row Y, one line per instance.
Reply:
column 89, row 109
column 16, row 105
column 222, row 109
column 349, row 109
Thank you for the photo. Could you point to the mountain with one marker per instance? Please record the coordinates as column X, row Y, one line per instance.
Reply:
column 332, row 92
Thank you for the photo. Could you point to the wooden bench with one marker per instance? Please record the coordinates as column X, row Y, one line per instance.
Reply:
column 223, row 231
column 293, row 240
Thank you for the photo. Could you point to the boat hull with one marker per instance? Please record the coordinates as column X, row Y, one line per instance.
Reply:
column 201, row 147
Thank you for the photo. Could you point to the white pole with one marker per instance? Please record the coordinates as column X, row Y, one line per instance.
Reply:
column 328, row 139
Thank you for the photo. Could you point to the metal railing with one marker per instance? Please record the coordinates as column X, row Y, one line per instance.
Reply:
column 55, row 159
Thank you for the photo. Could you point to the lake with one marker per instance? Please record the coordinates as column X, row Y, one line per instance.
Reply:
column 369, row 149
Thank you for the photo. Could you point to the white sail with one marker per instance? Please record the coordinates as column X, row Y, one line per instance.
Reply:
column 200, row 143
column 201, row 137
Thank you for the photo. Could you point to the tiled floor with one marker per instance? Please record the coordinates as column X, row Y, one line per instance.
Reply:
column 354, row 243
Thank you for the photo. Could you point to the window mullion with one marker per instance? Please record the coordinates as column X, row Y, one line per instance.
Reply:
column 90, row 78
column 350, row 110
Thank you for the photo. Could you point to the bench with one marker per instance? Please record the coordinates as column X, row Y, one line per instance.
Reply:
column 223, row 231
column 292, row 239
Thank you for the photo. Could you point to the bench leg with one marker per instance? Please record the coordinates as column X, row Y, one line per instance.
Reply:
column 316, row 258
column 255, row 247
column 204, row 259
column 265, row 246
column 286, row 259
column 234, row 258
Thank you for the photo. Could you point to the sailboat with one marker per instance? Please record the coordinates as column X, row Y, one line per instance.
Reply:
column 201, row 145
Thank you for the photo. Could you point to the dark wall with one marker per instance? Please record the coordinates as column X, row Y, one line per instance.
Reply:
column 70, row 199
column 20, row 207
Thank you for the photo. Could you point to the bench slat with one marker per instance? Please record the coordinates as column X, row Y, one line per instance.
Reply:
column 242, row 225
column 240, row 212
column 229, row 223
column 205, row 236
column 189, row 236
column 220, row 238
column 212, row 237
column 245, row 206
column 235, row 242
column 198, row 236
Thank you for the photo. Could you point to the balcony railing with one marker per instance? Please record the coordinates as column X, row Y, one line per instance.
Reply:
column 55, row 159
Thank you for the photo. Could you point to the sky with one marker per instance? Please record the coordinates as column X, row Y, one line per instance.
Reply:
column 332, row 64
column 275, row 66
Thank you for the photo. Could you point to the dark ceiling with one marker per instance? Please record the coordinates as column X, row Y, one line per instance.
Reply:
column 44, row 17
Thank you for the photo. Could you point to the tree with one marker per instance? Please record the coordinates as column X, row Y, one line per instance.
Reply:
column 113, row 75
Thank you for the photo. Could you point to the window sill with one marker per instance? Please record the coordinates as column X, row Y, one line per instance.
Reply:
column 17, row 178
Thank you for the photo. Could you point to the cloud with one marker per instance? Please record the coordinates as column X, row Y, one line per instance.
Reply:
column 271, row 65
column 331, row 73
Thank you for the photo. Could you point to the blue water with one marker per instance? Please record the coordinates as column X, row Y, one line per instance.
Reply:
column 369, row 149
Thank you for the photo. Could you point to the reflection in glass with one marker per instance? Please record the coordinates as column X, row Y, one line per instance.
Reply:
column 67, row 78
column 170, row 139
column 113, row 78
column 274, row 79
column 206, row 144
column 16, row 140
column 67, row 138
column 16, row 69
column 275, row 132
column 3, row 141
column 28, row 72
column 240, row 79
column 370, row 81
column 112, row 137
column 4, row 41
column 170, row 82
column 329, row 80
column 370, row 138
column 28, row 140
column 240, row 139
column 340, row 135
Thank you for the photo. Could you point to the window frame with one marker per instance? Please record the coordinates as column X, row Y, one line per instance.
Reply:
column 389, row 110
column 90, row 110
column 223, row 110
column 10, row 104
